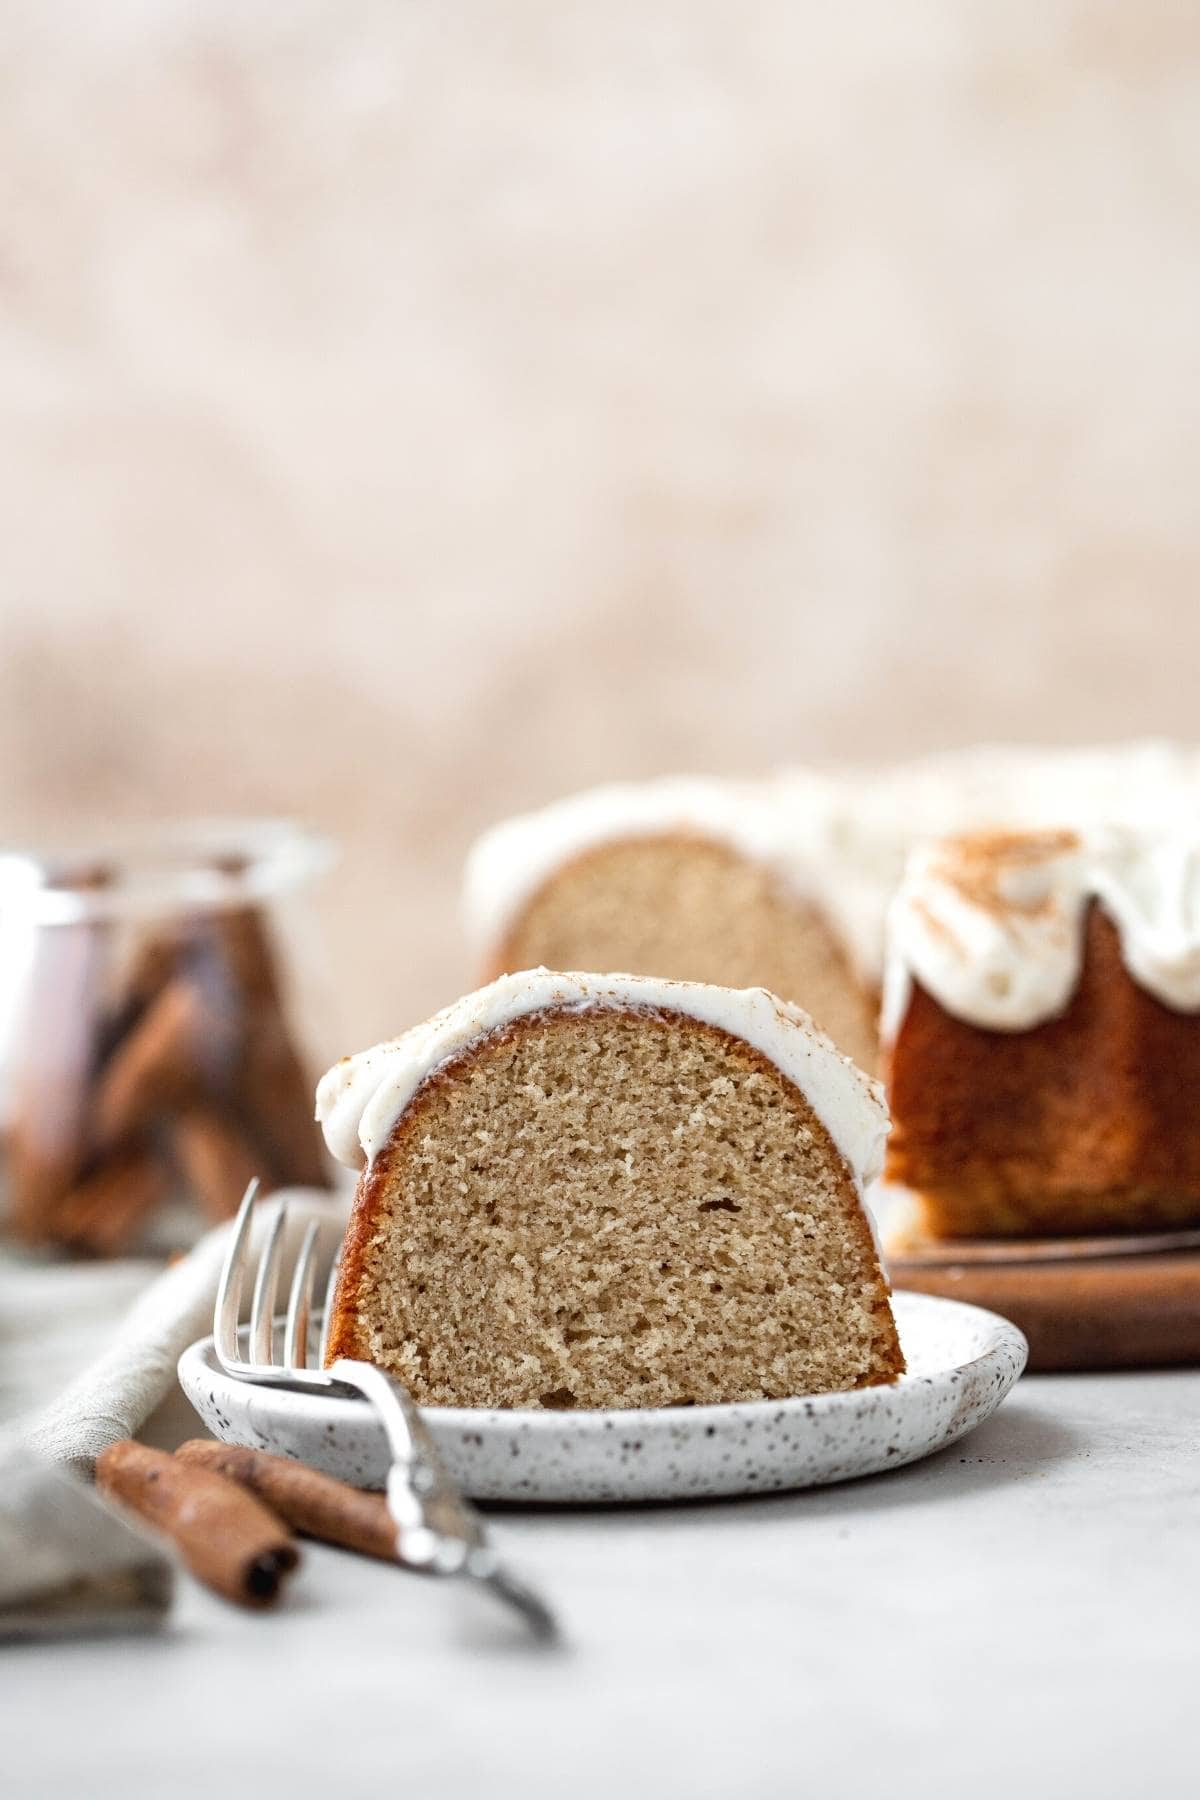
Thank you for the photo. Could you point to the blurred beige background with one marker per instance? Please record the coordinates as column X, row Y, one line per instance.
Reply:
column 413, row 411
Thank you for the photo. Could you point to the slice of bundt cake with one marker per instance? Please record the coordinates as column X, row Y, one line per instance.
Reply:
column 1042, row 1024
column 610, row 1191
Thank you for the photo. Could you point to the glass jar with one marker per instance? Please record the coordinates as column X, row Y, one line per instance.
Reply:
column 149, row 1056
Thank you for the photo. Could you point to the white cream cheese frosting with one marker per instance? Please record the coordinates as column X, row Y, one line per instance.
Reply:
column 992, row 926
column 509, row 863
column 361, row 1098
column 840, row 838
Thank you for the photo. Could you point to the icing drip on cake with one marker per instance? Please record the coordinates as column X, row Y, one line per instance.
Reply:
column 991, row 925
column 360, row 1099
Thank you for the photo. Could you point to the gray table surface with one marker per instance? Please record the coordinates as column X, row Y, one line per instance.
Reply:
column 1019, row 1615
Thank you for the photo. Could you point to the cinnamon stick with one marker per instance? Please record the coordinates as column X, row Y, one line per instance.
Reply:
column 101, row 1213
column 311, row 1502
column 217, row 1162
column 228, row 1538
column 243, row 940
column 154, row 1066
column 233, row 964
column 277, row 1095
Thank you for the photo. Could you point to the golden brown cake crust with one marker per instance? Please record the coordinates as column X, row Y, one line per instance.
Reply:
column 1086, row 1123
column 354, row 1328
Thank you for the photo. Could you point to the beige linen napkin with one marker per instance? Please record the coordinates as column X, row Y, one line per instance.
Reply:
column 113, row 1396
column 67, row 1562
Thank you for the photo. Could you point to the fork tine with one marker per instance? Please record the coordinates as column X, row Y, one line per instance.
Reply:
column 295, row 1336
column 262, row 1308
column 327, row 1318
column 233, row 1273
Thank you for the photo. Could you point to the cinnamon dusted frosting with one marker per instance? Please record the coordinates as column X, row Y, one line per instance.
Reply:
column 992, row 925
column 361, row 1098
column 839, row 839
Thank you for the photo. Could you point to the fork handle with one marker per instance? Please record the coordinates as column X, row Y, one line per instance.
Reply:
column 437, row 1528
column 438, row 1531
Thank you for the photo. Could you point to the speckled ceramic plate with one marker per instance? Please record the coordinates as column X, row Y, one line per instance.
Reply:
column 962, row 1361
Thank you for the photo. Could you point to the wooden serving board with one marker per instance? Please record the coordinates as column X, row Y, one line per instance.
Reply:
column 1083, row 1311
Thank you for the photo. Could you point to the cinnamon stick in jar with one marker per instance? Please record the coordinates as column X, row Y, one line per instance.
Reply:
column 277, row 1094
column 233, row 964
column 228, row 1539
column 310, row 1501
column 103, row 1210
column 160, row 1062
column 243, row 940
column 215, row 1158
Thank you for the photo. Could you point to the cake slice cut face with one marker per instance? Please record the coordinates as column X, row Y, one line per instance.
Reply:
column 692, row 909
column 611, row 1192
column 689, row 879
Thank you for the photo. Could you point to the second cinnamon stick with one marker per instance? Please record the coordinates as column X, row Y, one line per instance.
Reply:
column 102, row 1212
column 311, row 1502
column 216, row 1160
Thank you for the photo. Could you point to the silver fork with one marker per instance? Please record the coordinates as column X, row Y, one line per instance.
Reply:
column 438, row 1531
